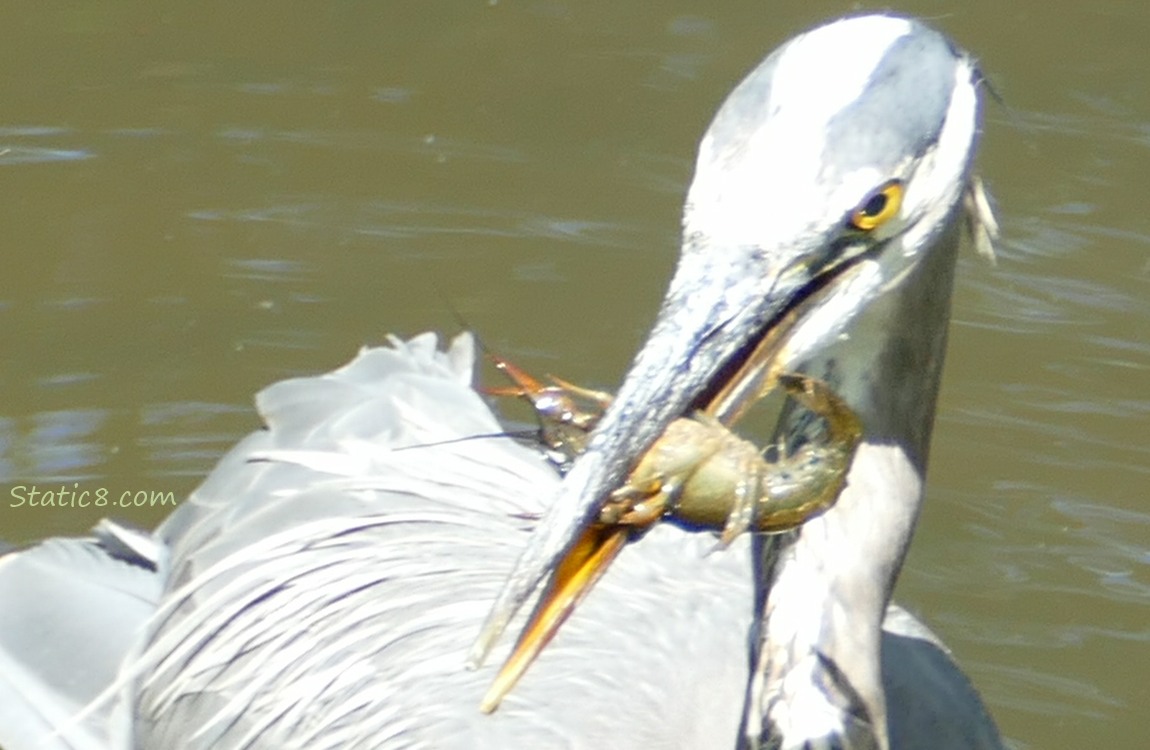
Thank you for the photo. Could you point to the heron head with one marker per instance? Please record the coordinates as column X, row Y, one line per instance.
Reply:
column 848, row 147
column 830, row 171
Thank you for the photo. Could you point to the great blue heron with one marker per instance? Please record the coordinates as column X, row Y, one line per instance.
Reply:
column 320, row 589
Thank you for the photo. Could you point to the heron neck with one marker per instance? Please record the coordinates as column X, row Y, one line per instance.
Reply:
column 823, row 589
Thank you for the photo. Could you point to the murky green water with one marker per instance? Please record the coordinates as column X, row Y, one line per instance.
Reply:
column 198, row 201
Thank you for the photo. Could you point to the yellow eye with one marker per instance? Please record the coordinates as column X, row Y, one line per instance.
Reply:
column 878, row 207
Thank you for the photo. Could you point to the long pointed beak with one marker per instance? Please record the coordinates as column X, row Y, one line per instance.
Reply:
column 698, row 358
column 718, row 308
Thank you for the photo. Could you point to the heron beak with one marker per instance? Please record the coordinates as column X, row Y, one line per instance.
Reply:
column 716, row 348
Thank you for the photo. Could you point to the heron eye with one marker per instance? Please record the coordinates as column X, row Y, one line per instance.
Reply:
column 878, row 207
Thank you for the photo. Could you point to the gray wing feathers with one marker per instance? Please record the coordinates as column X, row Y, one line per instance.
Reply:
column 71, row 611
column 323, row 584
column 928, row 696
column 330, row 575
